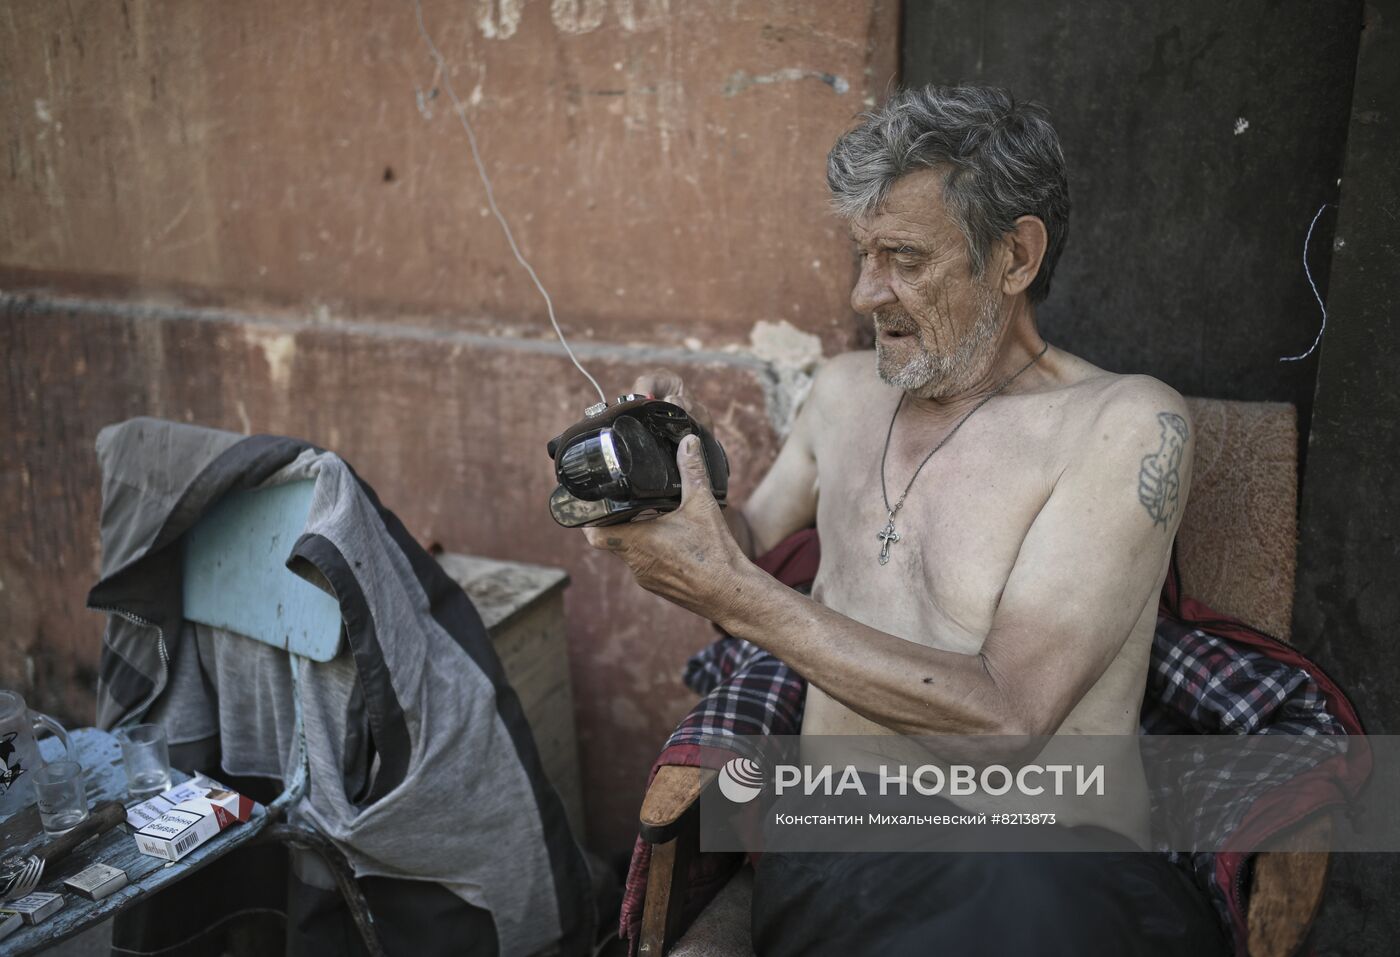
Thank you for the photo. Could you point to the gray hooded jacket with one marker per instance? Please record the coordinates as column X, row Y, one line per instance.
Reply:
column 422, row 764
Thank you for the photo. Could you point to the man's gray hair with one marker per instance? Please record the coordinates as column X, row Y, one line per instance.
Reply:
column 1003, row 161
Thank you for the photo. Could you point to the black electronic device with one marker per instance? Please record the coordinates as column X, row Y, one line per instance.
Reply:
column 619, row 462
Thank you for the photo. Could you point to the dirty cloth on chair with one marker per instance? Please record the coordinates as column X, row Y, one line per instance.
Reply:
column 1209, row 674
column 422, row 765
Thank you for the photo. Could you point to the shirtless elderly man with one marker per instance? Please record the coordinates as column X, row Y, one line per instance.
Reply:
column 996, row 518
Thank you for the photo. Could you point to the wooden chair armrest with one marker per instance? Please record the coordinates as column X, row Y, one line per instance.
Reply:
column 673, row 791
column 1287, row 889
column 669, row 823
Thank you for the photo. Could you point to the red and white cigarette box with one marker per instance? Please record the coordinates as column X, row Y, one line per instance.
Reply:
column 139, row 815
column 191, row 823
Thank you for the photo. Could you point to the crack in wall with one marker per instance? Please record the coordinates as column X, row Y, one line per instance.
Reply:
column 741, row 80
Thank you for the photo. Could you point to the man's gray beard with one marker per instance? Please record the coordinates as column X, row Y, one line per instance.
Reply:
column 933, row 376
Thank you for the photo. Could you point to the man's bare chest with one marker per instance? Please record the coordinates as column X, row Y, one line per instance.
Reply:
column 952, row 544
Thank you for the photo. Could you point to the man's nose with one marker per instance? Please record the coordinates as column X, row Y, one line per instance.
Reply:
column 872, row 289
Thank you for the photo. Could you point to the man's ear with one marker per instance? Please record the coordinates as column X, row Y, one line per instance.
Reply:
column 1026, row 244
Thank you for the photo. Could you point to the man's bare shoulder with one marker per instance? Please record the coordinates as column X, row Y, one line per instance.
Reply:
column 1127, row 434
column 848, row 370
column 843, row 380
column 1083, row 393
column 1098, row 397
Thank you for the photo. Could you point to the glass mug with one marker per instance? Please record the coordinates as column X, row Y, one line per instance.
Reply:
column 19, row 752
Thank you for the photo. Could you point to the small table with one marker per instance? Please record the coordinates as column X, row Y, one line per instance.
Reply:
column 101, row 758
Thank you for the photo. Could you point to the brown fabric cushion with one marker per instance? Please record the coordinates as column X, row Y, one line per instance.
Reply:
column 1237, row 546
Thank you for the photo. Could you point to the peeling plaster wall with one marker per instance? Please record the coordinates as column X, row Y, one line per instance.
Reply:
column 263, row 217
column 790, row 360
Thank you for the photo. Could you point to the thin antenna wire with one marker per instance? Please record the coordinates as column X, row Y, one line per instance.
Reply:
column 461, row 112
column 1316, row 295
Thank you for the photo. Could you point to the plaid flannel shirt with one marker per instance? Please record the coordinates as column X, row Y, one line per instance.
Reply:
column 1209, row 674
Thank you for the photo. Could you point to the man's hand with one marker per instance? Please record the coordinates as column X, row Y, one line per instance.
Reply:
column 670, row 387
column 687, row 556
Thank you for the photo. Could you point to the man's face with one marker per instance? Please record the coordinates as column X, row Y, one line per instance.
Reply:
column 936, row 326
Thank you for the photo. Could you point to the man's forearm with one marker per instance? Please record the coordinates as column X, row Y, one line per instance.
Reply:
column 902, row 685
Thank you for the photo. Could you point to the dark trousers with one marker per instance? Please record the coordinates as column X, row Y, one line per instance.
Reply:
column 1090, row 891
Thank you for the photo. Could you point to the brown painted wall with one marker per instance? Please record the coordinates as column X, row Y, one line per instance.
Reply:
column 259, row 216
column 664, row 167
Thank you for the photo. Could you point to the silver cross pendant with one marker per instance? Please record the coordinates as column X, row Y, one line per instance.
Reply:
column 887, row 536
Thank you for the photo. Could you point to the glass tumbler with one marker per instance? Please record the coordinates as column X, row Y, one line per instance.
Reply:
column 146, row 757
column 62, row 800
column 19, row 751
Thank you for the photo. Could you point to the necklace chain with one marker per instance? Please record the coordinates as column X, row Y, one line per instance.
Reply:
column 944, row 441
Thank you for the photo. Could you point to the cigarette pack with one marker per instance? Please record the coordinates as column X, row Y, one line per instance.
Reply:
column 191, row 823
column 97, row 881
column 9, row 922
column 36, row 907
column 139, row 815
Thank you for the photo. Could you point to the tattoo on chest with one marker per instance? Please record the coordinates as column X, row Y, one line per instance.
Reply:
column 1159, row 480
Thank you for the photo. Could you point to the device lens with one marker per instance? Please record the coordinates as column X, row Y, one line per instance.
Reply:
column 589, row 468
